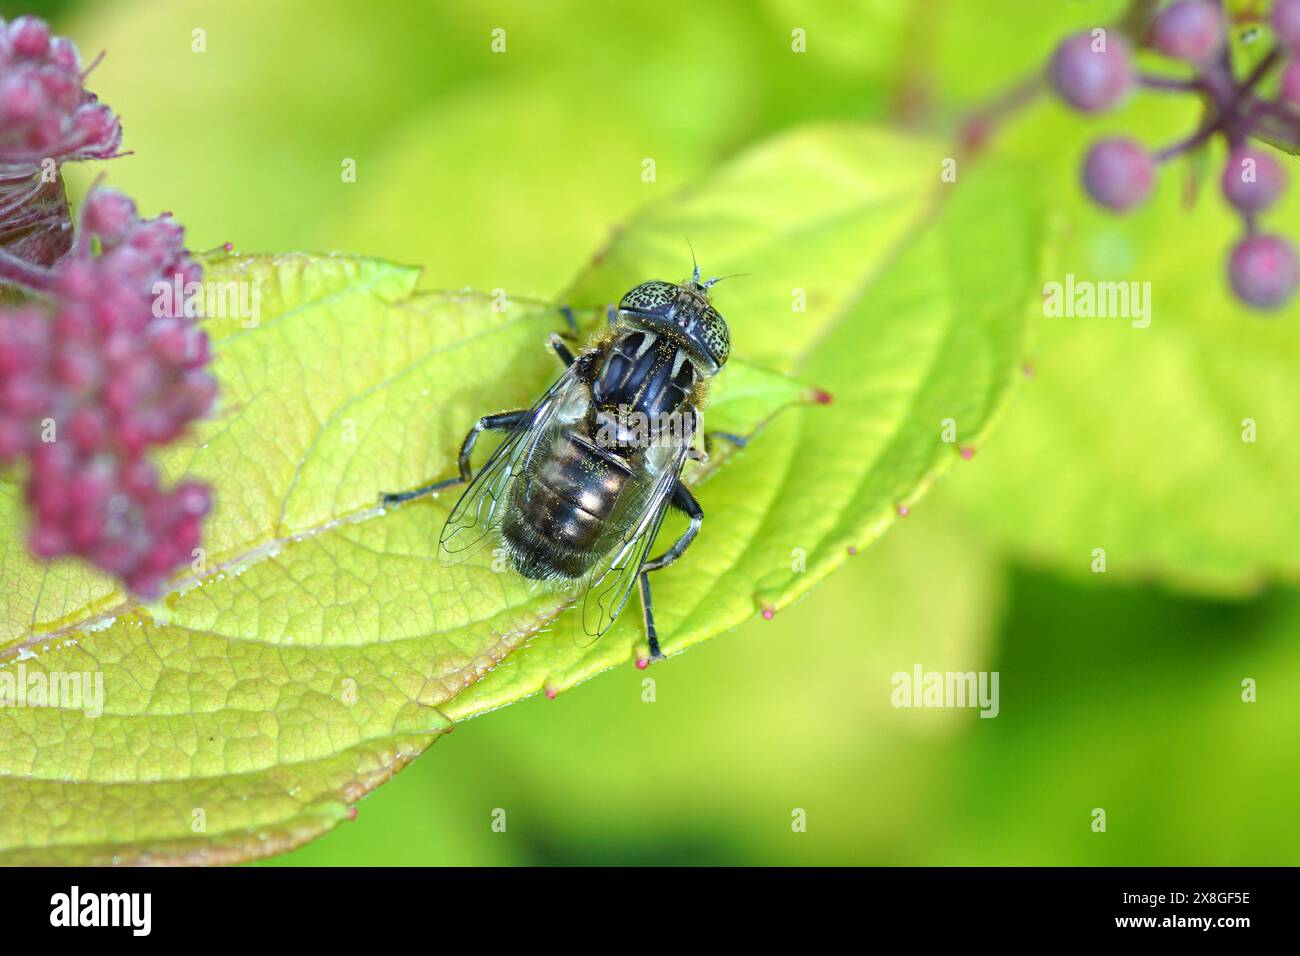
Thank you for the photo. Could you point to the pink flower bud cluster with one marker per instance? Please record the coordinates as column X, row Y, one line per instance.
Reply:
column 47, row 117
column 91, row 380
column 45, row 110
column 1093, row 71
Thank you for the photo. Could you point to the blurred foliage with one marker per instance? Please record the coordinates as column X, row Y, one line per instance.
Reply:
column 1132, row 438
column 50, row 10
column 504, row 170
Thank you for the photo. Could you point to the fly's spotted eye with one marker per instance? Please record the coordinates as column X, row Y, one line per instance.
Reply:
column 715, row 335
column 654, row 297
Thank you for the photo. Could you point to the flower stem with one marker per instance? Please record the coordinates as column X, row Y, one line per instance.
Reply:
column 1169, row 83
column 1190, row 143
column 20, row 272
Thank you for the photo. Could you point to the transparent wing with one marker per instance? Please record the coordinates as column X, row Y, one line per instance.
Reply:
column 626, row 545
column 478, row 513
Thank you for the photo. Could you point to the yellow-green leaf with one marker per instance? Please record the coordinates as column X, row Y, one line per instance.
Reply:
column 319, row 644
column 305, row 659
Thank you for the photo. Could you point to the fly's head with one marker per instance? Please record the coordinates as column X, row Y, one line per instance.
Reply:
column 682, row 312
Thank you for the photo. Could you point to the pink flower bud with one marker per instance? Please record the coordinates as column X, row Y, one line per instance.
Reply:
column 117, row 382
column 29, row 37
column 108, row 214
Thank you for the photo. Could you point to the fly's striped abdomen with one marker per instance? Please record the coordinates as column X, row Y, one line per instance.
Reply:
column 559, row 509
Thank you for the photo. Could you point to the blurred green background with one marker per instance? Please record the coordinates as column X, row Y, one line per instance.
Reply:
column 509, row 170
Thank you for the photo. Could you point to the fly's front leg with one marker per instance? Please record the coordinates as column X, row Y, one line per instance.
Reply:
column 684, row 501
column 571, row 321
column 563, row 351
column 505, row 421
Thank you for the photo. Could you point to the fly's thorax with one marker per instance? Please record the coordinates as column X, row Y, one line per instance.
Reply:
column 643, row 392
column 634, row 435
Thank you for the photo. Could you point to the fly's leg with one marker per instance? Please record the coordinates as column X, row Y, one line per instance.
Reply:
column 505, row 421
column 562, row 350
column 684, row 501
column 571, row 321
column 740, row 441
column 651, row 634
column 501, row 422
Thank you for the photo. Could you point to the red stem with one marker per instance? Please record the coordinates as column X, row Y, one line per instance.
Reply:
column 22, row 273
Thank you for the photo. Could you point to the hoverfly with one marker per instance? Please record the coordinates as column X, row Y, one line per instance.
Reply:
column 580, row 485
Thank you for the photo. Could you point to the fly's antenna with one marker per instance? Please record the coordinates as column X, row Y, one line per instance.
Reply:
column 735, row 275
column 695, row 274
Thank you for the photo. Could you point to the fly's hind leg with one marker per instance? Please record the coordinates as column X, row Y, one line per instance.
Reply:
column 655, row 654
column 505, row 421
column 684, row 501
